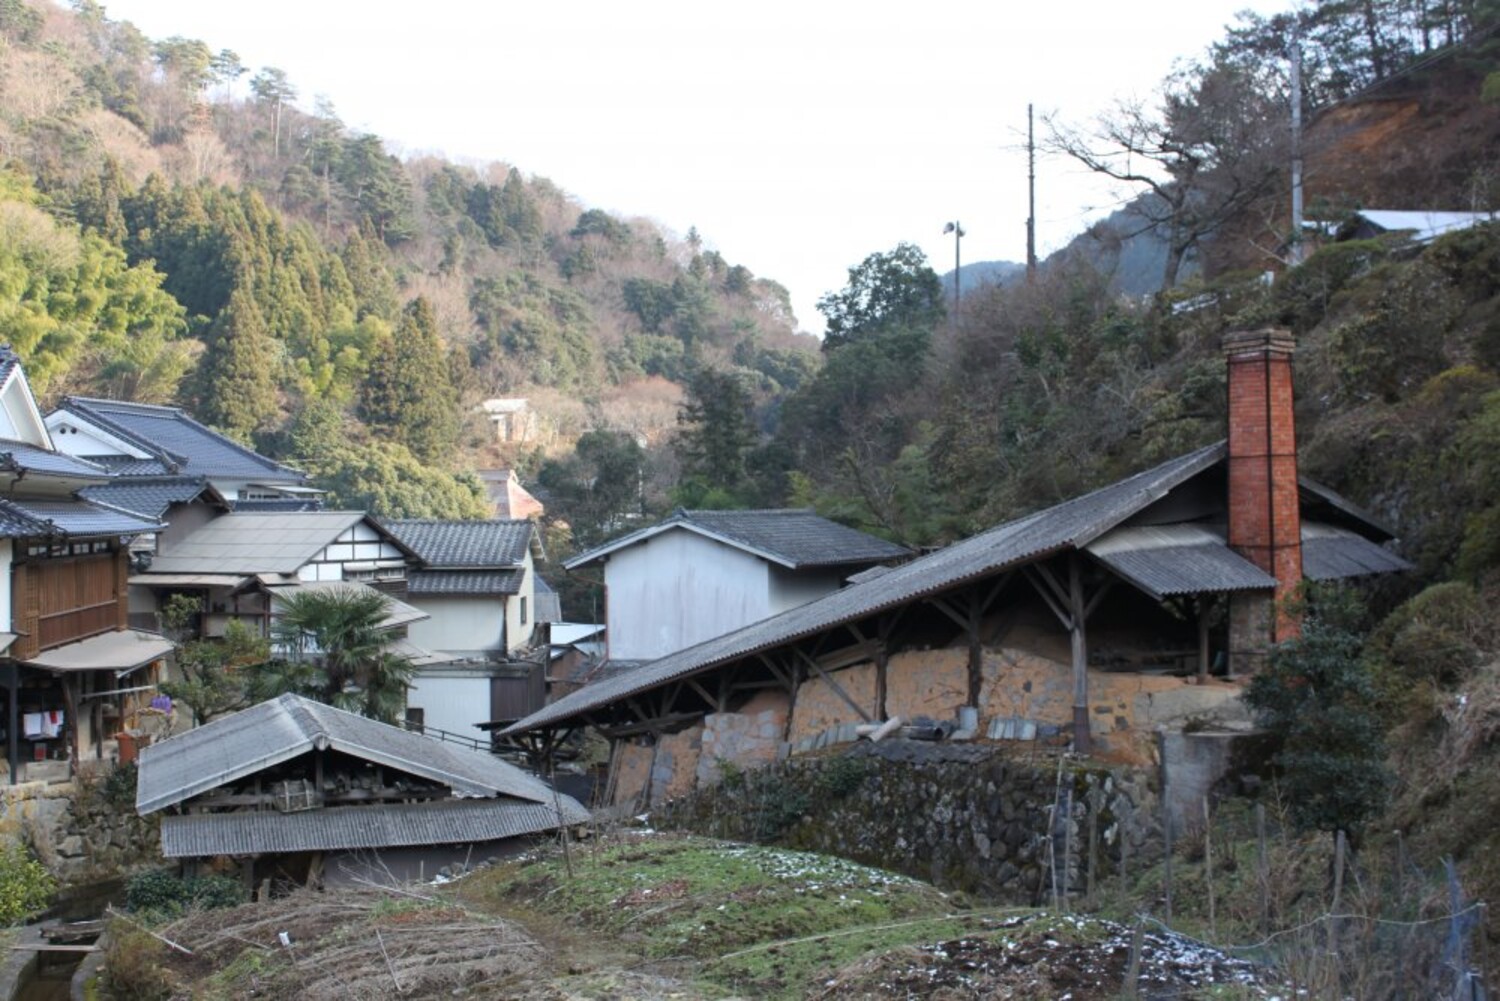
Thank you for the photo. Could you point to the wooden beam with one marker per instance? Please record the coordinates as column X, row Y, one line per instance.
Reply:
column 777, row 672
column 837, row 688
column 882, row 664
column 1058, row 591
column 1082, row 739
column 847, row 656
column 1041, row 589
column 656, row 726
column 1093, row 603
column 941, row 604
column 703, row 693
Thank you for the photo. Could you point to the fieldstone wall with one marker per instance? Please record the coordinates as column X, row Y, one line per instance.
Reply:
column 969, row 817
column 83, row 829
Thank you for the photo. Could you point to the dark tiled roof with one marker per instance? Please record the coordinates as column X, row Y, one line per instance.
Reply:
column 793, row 537
column 177, row 440
column 22, row 518
column 22, row 457
column 1069, row 525
column 146, row 496
column 479, row 545
column 8, row 362
column 459, row 582
column 129, row 465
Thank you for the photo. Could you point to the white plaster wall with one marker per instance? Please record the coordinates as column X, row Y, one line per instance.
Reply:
column 452, row 704
column 7, row 549
column 789, row 590
column 678, row 589
column 459, row 624
column 518, row 634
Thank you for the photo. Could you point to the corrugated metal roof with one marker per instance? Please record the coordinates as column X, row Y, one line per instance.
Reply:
column 121, row 652
column 429, row 583
column 350, row 827
column 241, row 744
column 1330, row 553
column 468, row 545
column 1165, row 560
column 792, row 537
column 248, row 542
column 1424, row 225
column 1071, row 524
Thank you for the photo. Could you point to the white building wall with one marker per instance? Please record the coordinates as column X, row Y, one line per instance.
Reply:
column 454, row 703
column 459, row 624
column 7, row 549
column 677, row 589
column 789, row 590
column 519, row 632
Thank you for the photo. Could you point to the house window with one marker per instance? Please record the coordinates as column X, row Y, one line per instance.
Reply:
column 523, row 611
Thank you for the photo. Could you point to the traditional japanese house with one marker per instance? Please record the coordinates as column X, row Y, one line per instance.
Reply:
column 74, row 671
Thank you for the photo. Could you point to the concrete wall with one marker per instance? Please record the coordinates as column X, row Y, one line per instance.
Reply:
column 677, row 589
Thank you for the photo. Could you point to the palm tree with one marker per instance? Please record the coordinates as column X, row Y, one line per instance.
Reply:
column 331, row 644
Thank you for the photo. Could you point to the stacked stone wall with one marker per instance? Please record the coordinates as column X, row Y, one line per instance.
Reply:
column 84, row 829
column 967, row 817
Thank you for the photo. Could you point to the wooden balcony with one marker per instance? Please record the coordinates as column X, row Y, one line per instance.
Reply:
column 59, row 601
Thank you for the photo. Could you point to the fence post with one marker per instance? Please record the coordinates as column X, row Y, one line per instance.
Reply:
column 1208, row 867
column 1333, row 921
column 1263, row 869
column 1166, row 823
column 1133, row 969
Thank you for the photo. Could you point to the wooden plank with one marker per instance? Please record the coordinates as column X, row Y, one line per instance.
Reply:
column 702, row 692
column 55, row 947
column 941, row 604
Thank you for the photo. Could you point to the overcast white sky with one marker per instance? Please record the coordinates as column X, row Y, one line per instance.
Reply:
column 797, row 137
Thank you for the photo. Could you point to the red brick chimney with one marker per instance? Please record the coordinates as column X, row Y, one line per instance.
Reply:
column 1265, row 520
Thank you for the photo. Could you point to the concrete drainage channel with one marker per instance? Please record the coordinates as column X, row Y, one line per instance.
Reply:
column 51, row 962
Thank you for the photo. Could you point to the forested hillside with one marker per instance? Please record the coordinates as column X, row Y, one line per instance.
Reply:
column 176, row 228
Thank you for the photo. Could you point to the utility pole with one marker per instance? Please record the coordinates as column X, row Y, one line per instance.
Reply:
column 1031, row 197
column 958, row 292
column 1297, row 255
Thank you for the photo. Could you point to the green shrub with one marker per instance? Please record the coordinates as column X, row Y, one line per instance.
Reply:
column 1316, row 699
column 1433, row 640
column 161, row 894
column 26, row 886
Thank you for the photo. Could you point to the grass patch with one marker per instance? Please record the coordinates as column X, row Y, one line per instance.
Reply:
column 759, row 919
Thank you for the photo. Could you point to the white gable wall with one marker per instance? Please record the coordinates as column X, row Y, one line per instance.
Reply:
column 357, row 544
column 677, row 589
column 73, row 436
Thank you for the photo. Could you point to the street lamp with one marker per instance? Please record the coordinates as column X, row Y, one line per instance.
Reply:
column 958, row 234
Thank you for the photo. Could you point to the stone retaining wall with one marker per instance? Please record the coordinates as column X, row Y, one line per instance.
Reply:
column 81, row 829
column 971, row 817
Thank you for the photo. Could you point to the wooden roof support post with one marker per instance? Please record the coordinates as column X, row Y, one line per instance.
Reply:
column 838, row 689
column 1082, row 739
column 976, row 649
column 1204, row 606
